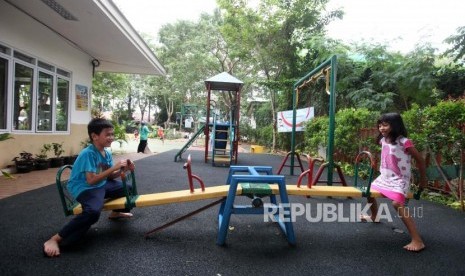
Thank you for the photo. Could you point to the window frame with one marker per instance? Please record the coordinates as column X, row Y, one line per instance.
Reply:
column 57, row 73
column 8, row 87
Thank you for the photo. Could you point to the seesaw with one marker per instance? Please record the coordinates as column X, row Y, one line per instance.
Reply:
column 252, row 181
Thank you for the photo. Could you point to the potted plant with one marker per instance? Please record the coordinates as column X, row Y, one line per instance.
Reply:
column 24, row 162
column 42, row 162
column 58, row 160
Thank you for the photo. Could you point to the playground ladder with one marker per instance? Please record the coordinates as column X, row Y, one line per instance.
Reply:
column 188, row 144
column 222, row 147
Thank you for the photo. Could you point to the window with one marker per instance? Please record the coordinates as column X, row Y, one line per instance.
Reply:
column 44, row 105
column 22, row 107
column 62, row 104
column 35, row 97
column 3, row 92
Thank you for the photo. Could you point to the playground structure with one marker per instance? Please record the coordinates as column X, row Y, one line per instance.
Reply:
column 328, row 69
column 255, row 182
column 221, row 136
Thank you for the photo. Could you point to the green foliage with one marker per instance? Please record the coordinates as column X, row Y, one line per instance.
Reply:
column 46, row 148
column 441, row 199
column 450, row 79
column 347, row 140
column 5, row 136
column 247, row 132
column 58, row 149
column 349, row 122
column 24, row 156
column 413, row 119
column 120, row 132
column 442, row 129
column 458, row 44
column 265, row 136
column 316, row 134
column 171, row 135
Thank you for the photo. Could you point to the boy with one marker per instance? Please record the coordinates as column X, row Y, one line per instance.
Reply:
column 92, row 180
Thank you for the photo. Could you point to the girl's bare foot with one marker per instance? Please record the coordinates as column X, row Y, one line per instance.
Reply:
column 51, row 247
column 365, row 218
column 415, row 246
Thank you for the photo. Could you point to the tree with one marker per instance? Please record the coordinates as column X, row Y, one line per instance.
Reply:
column 112, row 92
column 269, row 38
column 458, row 45
column 377, row 79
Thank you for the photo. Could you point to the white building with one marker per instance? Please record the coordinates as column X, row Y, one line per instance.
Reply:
column 49, row 50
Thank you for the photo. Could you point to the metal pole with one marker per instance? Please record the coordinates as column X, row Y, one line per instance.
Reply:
column 294, row 122
column 332, row 121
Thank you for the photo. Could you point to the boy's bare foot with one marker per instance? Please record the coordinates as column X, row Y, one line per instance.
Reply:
column 51, row 247
column 415, row 246
column 119, row 215
column 365, row 218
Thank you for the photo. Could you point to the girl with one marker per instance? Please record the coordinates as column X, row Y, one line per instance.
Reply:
column 394, row 180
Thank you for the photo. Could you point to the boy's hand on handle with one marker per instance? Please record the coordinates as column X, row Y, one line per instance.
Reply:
column 130, row 164
column 120, row 165
column 125, row 165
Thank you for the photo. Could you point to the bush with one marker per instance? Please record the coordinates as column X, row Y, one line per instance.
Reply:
column 265, row 136
column 443, row 128
column 347, row 140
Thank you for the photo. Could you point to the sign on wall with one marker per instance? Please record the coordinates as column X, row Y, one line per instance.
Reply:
column 302, row 115
column 82, row 98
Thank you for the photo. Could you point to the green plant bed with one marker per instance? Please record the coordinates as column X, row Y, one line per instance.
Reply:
column 41, row 164
column 24, row 162
column 24, row 166
column 440, row 198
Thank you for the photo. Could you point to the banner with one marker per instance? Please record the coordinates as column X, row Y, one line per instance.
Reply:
column 302, row 115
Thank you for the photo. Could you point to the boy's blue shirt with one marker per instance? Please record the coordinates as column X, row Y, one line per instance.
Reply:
column 89, row 160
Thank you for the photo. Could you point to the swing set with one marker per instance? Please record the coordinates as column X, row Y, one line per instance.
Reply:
column 328, row 69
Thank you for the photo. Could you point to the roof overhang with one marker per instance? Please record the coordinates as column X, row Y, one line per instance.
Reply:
column 99, row 29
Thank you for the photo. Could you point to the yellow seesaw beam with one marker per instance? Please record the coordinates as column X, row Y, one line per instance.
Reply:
column 222, row 191
column 184, row 196
column 334, row 191
column 167, row 198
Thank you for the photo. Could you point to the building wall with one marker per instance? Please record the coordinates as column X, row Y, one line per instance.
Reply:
column 33, row 143
column 19, row 31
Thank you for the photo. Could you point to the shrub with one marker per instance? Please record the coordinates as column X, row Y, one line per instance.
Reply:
column 347, row 140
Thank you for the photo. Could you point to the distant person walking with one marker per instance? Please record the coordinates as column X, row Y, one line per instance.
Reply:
column 144, row 134
column 136, row 134
column 161, row 134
